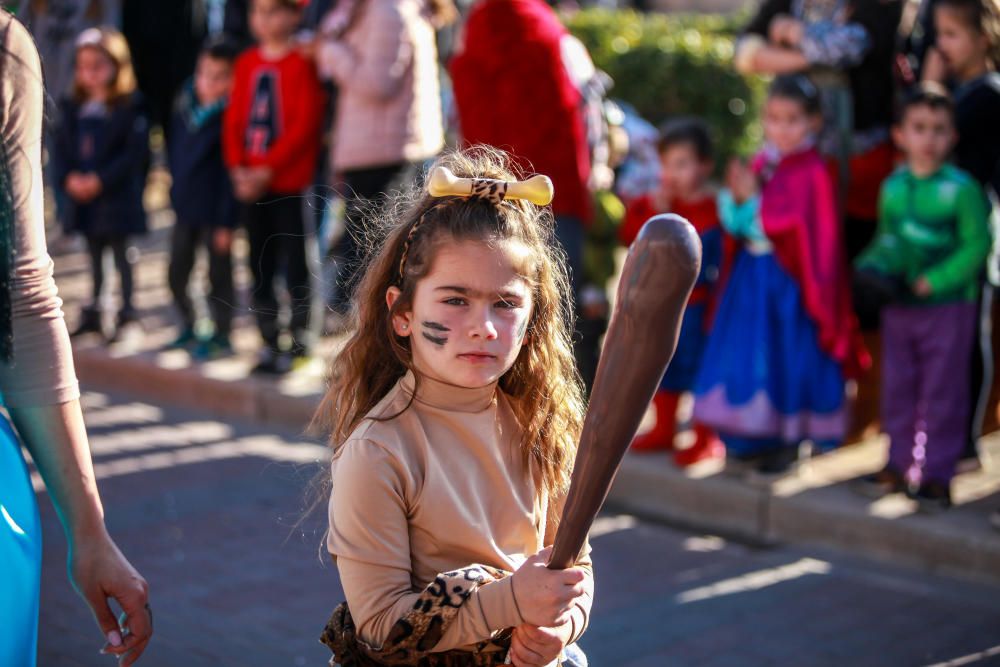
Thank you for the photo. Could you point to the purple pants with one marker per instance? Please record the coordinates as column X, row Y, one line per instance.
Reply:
column 926, row 357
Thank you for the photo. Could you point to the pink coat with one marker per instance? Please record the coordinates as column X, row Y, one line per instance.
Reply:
column 389, row 99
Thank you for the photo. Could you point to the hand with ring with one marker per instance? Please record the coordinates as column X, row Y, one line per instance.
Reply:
column 100, row 572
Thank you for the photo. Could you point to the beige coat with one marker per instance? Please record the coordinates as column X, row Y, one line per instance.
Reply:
column 389, row 102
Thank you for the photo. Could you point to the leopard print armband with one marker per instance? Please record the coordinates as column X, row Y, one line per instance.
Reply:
column 414, row 635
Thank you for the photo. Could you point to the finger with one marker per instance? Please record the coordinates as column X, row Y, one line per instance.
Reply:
column 516, row 658
column 129, row 643
column 132, row 656
column 106, row 621
column 561, row 619
column 530, row 656
column 138, row 618
column 573, row 576
column 541, row 557
column 536, row 640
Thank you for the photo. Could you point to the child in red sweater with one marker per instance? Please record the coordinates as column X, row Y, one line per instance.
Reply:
column 271, row 141
column 685, row 150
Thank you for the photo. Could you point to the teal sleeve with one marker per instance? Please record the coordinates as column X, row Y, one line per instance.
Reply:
column 740, row 220
column 885, row 253
column 973, row 241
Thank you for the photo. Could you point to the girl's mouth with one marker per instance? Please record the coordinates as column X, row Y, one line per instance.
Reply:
column 477, row 357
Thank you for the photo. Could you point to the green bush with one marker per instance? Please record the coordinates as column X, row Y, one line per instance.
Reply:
column 678, row 64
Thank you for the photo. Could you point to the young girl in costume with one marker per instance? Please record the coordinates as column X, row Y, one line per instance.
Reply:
column 785, row 335
column 454, row 410
column 102, row 146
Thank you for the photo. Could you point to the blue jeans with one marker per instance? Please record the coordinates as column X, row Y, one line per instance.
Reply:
column 574, row 657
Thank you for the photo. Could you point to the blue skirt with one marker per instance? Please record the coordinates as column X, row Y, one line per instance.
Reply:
column 683, row 368
column 20, row 555
column 764, row 382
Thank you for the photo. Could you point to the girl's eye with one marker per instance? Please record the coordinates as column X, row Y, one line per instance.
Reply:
column 507, row 305
column 455, row 301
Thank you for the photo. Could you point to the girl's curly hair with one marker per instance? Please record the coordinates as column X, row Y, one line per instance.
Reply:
column 543, row 385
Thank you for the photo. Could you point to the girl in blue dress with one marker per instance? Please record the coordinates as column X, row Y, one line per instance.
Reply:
column 785, row 336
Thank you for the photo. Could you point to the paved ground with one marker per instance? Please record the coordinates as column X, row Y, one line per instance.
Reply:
column 208, row 512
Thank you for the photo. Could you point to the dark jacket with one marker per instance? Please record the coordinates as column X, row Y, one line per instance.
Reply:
column 977, row 109
column 201, row 194
column 871, row 80
column 120, row 157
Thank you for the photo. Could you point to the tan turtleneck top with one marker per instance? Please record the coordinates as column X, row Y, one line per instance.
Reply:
column 436, row 487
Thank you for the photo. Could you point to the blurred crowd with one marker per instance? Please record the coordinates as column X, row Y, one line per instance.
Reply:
column 851, row 254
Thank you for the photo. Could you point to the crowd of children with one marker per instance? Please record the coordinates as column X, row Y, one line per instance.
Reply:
column 782, row 336
column 242, row 145
column 771, row 336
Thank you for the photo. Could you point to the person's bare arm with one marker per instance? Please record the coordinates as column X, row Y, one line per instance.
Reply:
column 57, row 440
column 756, row 56
column 39, row 387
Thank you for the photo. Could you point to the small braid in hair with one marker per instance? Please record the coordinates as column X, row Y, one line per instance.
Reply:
column 411, row 235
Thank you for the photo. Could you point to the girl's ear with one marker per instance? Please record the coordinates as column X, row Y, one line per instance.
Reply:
column 400, row 321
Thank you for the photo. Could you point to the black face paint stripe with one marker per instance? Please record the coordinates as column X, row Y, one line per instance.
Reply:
column 522, row 330
column 435, row 326
column 434, row 339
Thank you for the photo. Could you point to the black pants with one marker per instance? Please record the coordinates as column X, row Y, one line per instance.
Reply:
column 119, row 248
column 981, row 376
column 184, row 246
column 364, row 188
column 858, row 234
column 276, row 233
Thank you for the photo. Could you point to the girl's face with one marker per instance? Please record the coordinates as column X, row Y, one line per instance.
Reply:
column 786, row 124
column 963, row 47
column 95, row 71
column 470, row 313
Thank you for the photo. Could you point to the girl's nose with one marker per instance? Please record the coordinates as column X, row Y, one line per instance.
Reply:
column 484, row 328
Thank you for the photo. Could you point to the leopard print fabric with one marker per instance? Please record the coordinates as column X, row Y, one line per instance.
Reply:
column 414, row 635
column 491, row 190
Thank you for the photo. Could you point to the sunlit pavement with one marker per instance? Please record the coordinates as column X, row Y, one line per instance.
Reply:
column 213, row 514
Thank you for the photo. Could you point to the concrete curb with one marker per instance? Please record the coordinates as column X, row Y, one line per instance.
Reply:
column 829, row 516
column 762, row 513
column 249, row 398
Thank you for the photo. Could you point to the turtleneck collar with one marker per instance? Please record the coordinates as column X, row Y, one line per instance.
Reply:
column 444, row 396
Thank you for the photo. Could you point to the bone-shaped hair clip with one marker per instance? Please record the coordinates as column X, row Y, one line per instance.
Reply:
column 443, row 183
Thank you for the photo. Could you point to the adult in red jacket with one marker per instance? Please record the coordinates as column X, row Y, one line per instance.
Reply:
column 513, row 90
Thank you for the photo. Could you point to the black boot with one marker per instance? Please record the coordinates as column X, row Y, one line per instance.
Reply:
column 125, row 317
column 90, row 322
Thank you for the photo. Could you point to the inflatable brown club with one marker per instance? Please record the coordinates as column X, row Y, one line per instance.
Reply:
column 656, row 281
